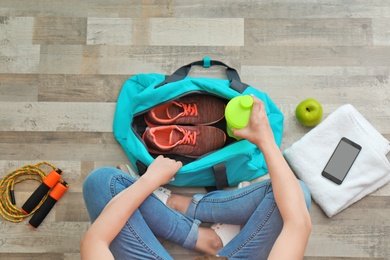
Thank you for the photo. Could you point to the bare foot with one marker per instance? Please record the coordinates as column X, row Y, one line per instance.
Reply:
column 208, row 241
column 179, row 202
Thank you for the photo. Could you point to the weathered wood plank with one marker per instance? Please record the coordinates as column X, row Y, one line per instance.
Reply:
column 115, row 9
column 54, row 116
column 129, row 60
column 52, row 30
column 208, row 9
column 16, row 30
column 32, row 256
column 60, row 59
column 32, row 8
column 19, row 58
column 349, row 241
column 109, row 31
column 67, row 152
column 80, row 88
column 31, row 137
column 381, row 31
column 267, row 9
column 49, row 237
column 19, row 87
column 308, row 32
column 166, row 31
column 197, row 32
column 315, row 56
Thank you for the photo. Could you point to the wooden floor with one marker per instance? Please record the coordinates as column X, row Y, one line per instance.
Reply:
column 62, row 64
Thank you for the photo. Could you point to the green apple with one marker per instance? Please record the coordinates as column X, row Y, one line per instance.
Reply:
column 309, row 112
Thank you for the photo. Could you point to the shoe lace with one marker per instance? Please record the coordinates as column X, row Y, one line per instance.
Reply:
column 189, row 109
column 189, row 137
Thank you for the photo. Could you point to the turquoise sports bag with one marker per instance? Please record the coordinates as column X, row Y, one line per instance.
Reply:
column 237, row 161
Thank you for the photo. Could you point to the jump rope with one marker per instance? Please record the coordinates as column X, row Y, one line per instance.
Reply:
column 40, row 202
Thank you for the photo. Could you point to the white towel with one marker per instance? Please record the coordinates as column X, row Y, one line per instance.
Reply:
column 370, row 171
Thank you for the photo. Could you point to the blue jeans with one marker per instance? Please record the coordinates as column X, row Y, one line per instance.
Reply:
column 252, row 206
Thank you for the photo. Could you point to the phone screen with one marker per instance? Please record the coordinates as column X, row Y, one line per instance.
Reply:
column 341, row 160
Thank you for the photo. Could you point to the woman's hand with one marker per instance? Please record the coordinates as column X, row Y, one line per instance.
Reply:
column 258, row 130
column 162, row 170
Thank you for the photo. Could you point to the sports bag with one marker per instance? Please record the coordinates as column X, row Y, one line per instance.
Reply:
column 236, row 161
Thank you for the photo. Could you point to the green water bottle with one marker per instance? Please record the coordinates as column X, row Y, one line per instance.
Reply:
column 237, row 113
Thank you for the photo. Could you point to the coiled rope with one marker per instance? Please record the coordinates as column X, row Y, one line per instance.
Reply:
column 8, row 210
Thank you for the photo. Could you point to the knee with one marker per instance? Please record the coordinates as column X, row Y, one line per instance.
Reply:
column 103, row 177
column 101, row 185
column 306, row 194
column 98, row 175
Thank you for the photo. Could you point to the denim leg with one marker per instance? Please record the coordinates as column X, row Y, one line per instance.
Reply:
column 137, row 239
column 254, row 207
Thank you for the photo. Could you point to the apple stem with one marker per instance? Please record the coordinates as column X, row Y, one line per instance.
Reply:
column 308, row 110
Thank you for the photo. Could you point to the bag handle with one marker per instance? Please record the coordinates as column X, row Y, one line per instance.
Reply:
column 232, row 74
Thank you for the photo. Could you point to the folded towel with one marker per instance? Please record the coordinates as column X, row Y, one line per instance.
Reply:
column 370, row 171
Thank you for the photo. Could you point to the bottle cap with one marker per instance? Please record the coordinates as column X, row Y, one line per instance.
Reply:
column 246, row 102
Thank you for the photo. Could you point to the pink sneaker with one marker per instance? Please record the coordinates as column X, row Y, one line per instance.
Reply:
column 189, row 141
column 189, row 110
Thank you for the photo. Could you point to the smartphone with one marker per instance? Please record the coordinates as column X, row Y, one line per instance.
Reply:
column 341, row 160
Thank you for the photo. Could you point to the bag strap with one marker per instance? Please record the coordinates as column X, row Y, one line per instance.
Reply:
column 221, row 180
column 232, row 74
column 141, row 167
